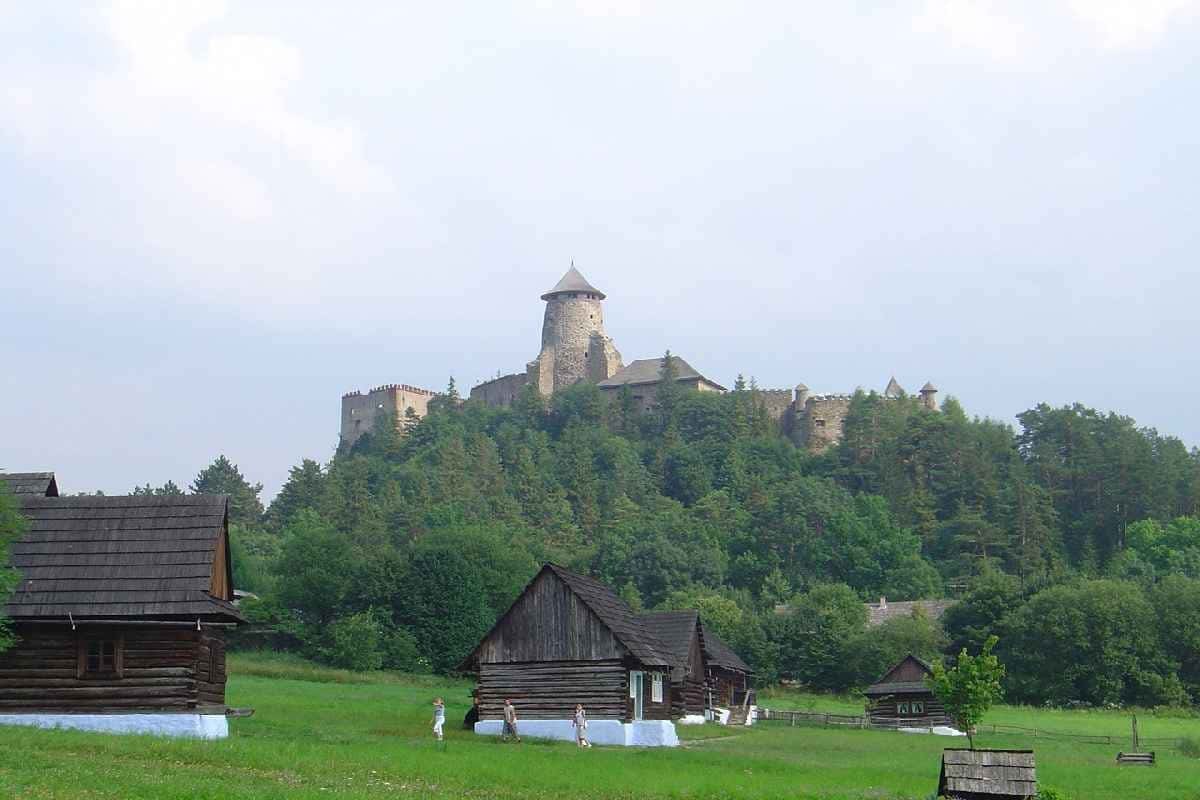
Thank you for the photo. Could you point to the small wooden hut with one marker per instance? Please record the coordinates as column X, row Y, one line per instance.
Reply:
column 727, row 675
column 987, row 775
column 900, row 699
column 120, row 614
column 570, row 639
column 680, row 631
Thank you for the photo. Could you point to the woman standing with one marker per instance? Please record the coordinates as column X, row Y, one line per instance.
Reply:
column 581, row 726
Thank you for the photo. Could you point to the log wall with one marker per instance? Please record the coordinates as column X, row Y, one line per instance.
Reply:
column 882, row 711
column 160, row 670
column 550, row 689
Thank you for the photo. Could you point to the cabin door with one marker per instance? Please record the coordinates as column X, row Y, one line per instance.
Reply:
column 637, row 692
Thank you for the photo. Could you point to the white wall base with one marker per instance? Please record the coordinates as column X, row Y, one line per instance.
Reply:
column 647, row 733
column 197, row 726
column 692, row 719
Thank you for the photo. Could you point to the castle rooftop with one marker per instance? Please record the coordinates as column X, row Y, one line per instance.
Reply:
column 573, row 281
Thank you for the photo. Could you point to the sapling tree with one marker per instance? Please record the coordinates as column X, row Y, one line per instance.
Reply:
column 969, row 689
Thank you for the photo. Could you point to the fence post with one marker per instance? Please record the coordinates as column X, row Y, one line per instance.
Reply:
column 793, row 719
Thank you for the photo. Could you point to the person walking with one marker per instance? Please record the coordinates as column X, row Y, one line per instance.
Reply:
column 439, row 717
column 510, row 721
column 580, row 724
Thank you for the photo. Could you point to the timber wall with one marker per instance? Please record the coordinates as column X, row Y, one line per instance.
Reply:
column 550, row 689
column 160, row 670
column 549, row 623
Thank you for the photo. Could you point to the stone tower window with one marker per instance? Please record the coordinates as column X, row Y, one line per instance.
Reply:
column 820, row 423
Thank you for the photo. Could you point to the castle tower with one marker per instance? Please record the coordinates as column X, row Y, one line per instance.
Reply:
column 929, row 396
column 574, row 345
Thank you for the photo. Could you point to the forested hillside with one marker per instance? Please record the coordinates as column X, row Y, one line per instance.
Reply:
column 1074, row 539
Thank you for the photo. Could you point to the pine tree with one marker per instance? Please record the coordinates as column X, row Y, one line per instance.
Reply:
column 223, row 477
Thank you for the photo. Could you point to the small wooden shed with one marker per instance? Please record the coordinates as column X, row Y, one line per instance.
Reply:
column 727, row 675
column 680, row 631
column 900, row 698
column 570, row 639
column 121, row 607
column 988, row 775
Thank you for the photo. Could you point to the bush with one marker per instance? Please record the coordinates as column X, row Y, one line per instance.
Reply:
column 355, row 643
column 400, row 652
column 1046, row 793
column 1190, row 746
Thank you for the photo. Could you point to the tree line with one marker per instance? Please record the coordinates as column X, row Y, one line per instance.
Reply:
column 1069, row 537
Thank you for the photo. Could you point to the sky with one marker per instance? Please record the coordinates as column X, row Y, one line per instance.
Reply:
column 217, row 218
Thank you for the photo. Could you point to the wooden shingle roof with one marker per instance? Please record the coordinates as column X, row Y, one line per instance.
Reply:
column 573, row 281
column 905, row 676
column 719, row 654
column 23, row 483
column 118, row 557
column 674, row 628
column 988, row 773
column 614, row 612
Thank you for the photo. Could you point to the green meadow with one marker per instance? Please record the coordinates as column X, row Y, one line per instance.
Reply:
column 321, row 733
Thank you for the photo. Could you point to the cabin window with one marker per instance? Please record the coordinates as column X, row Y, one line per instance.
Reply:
column 918, row 707
column 902, row 708
column 656, row 687
column 100, row 657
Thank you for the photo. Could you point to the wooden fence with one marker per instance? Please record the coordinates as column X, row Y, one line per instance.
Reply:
column 793, row 718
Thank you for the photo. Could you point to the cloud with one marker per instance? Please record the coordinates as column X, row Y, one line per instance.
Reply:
column 1131, row 24
column 172, row 65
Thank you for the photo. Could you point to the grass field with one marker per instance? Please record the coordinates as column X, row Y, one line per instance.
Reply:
column 322, row 733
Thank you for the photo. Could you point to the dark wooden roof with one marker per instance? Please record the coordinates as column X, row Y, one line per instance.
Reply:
column 988, row 773
column 649, row 370
column 573, row 281
column 719, row 654
column 94, row 557
column 22, row 483
column 614, row 612
column 900, row 678
column 674, row 628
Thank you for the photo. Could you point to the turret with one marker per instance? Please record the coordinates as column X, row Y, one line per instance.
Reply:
column 801, row 396
column 929, row 396
column 574, row 345
column 894, row 390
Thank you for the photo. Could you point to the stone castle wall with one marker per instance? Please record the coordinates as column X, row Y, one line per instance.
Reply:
column 819, row 425
column 501, row 392
column 359, row 410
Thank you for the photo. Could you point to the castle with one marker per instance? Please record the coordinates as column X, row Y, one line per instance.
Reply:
column 575, row 348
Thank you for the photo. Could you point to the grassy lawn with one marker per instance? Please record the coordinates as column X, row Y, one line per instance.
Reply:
column 347, row 735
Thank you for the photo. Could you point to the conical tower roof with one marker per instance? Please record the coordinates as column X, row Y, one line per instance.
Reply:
column 894, row 389
column 573, row 282
column 928, row 387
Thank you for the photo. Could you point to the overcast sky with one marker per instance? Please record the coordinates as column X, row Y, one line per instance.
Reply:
column 215, row 219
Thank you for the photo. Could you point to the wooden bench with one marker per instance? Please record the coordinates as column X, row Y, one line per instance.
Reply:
column 1136, row 759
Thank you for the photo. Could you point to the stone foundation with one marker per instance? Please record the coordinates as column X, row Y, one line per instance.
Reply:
column 193, row 726
column 647, row 733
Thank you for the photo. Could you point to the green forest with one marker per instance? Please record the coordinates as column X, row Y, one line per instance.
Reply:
column 1073, row 537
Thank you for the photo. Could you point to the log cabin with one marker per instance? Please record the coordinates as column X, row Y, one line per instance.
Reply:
column 900, row 699
column 681, row 632
column 727, row 675
column 570, row 639
column 120, row 615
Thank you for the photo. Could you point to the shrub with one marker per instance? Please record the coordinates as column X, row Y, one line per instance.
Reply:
column 400, row 652
column 1190, row 746
column 354, row 643
column 1047, row 793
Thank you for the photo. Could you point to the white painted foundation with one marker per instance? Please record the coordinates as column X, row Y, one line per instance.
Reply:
column 693, row 719
column 196, row 726
column 647, row 733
